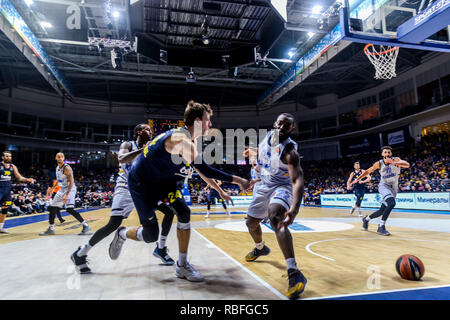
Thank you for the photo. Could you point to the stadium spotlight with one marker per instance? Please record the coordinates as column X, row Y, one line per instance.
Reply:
column 311, row 34
column 316, row 9
column 291, row 53
column 29, row 2
column 116, row 14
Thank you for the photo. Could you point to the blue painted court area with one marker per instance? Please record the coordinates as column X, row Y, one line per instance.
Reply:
column 416, row 294
column 17, row 222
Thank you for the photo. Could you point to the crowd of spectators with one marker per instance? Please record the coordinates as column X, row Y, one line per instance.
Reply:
column 429, row 159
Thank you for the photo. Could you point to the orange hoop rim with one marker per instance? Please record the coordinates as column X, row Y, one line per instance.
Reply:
column 378, row 53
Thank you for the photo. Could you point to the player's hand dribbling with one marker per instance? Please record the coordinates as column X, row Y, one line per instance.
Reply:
column 349, row 187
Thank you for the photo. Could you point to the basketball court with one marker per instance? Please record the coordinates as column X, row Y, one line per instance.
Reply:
column 339, row 259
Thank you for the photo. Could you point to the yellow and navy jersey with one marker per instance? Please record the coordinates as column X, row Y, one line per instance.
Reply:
column 156, row 164
column 6, row 174
column 356, row 175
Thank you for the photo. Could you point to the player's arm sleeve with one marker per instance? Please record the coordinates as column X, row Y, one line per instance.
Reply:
column 209, row 171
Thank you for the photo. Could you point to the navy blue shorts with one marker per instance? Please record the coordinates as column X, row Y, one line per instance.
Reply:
column 213, row 194
column 359, row 193
column 147, row 195
column 5, row 197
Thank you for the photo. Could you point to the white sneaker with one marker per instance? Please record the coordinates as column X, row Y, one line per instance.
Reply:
column 207, row 215
column 188, row 272
column 116, row 245
column 3, row 230
column 229, row 213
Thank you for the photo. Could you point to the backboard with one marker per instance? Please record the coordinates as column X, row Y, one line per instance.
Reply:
column 416, row 24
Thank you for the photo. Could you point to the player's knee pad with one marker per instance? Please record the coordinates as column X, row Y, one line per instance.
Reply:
column 150, row 232
column 390, row 203
column 183, row 226
column 183, row 212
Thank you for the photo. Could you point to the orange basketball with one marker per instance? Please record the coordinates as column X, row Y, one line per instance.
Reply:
column 409, row 267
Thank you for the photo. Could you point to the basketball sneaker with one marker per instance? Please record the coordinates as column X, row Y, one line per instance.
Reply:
column 85, row 230
column 365, row 224
column 228, row 213
column 297, row 283
column 382, row 230
column 255, row 253
column 3, row 230
column 163, row 255
column 80, row 262
column 116, row 244
column 359, row 213
column 207, row 215
column 188, row 272
column 47, row 232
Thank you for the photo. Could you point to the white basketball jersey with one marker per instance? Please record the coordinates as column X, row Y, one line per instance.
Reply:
column 273, row 171
column 63, row 182
column 389, row 173
column 124, row 168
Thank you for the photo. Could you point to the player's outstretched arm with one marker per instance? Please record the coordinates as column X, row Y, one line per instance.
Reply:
column 368, row 178
column 374, row 167
column 20, row 177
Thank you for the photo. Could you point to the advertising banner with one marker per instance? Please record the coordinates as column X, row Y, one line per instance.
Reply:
column 421, row 201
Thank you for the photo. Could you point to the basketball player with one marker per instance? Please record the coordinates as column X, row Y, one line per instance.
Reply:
column 6, row 171
column 360, row 187
column 154, row 177
column 65, row 197
column 51, row 191
column 212, row 196
column 390, row 168
column 123, row 203
column 278, row 196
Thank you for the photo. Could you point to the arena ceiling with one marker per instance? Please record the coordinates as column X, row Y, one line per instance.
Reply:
column 169, row 37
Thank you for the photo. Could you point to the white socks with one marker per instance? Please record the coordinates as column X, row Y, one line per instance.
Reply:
column 84, row 250
column 1, row 225
column 367, row 218
column 291, row 264
column 162, row 241
column 182, row 258
column 123, row 233
column 260, row 245
column 52, row 227
column 382, row 223
column 84, row 223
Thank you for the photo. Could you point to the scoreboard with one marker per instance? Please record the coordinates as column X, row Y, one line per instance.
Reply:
column 159, row 126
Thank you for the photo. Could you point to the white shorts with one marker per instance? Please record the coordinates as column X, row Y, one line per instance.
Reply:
column 387, row 191
column 57, row 200
column 122, row 204
column 264, row 195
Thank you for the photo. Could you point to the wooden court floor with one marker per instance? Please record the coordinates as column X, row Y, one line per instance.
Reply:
column 336, row 256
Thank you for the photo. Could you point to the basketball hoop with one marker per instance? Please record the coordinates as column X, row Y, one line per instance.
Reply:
column 383, row 59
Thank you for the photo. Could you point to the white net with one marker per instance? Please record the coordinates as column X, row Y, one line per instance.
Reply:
column 383, row 59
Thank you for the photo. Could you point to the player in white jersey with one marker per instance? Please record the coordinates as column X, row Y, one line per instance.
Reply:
column 65, row 197
column 123, row 203
column 278, row 195
column 390, row 168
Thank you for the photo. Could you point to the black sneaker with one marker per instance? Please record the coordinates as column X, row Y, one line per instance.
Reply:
column 255, row 253
column 382, row 230
column 80, row 262
column 365, row 224
column 162, row 254
column 297, row 283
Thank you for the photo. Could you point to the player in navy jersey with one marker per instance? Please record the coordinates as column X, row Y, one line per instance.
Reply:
column 359, row 188
column 211, row 199
column 122, row 204
column 7, row 170
column 278, row 196
column 390, row 168
column 165, row 161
